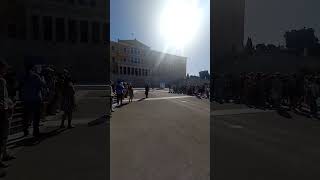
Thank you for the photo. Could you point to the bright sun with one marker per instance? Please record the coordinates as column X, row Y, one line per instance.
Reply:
column 179, row 22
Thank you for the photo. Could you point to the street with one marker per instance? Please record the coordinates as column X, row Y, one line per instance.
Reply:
column 163, row 137
column 257, row 144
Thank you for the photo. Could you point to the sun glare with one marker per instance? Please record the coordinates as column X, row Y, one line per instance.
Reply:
column 179, row 22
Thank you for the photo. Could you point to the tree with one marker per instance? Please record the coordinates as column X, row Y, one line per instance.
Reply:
column 300, row 39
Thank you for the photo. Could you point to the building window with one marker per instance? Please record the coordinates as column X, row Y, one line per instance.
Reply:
column 73, row 33
column 124, row 50
column 84, row 31
column 47, row 28
column 120, row 69
column 139, row 72
column 129, row 70
column 131, row 50
column 135, row 60
column 35, row 27
column 124, row 59
column 12, row 30
column 146, row 72
column 132, row 61
column 112, row 47
column 60, row 30
column 132, row 71
column 124, row 70
column 95, row 32
column 113, row 59
column 136, row 71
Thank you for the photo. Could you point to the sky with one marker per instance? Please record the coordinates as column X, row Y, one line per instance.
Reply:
column 142, row 18
column 267, row 20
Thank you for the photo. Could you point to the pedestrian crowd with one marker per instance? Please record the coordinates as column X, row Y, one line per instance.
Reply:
column 122, row 90
column 201, row 91
column 297, row 92
column 42, row 91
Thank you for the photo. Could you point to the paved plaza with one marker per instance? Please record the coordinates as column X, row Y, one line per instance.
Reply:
column 257, row 144
column 79, row 153
column 163, row 137
column 167, row 136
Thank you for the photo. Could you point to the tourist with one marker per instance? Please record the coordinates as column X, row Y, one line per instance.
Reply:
column 33, row 99
column 147, row 90
column 68, row 102
column 130, row 91
column 119, row 92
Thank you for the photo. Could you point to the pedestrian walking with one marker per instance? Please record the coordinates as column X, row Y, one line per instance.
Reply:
column 68, row 103
column 147, row 91
column 130, row 91
column 33, row 99
column 119, row 92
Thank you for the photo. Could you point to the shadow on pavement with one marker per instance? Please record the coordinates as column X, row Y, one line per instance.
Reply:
column 141, row 99
column 31, row 141
column 123, row 104
column 101, row 120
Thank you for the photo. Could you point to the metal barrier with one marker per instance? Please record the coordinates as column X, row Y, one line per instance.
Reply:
column 16, row 122
column 16, row 119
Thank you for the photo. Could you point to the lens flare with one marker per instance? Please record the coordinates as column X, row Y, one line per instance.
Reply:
column 179, row 22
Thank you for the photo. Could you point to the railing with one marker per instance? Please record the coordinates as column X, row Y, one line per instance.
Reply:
column 16, row 119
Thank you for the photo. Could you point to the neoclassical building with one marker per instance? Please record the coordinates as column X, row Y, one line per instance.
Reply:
column 65, row 33
column 136, row 63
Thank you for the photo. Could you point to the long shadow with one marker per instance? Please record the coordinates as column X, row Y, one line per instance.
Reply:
column 123, row 104
column 99, row 121
column 141, row 99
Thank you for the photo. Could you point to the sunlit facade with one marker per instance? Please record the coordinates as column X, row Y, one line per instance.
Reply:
column 136, row 63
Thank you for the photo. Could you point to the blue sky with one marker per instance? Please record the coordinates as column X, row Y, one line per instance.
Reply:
column 141, row 17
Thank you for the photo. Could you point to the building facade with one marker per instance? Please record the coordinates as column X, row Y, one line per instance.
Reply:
column 71, row 34
column 228, row 30
column 136, row 63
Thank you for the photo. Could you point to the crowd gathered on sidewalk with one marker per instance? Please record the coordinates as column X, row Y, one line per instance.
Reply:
column 42, row 91
column 298, row 92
